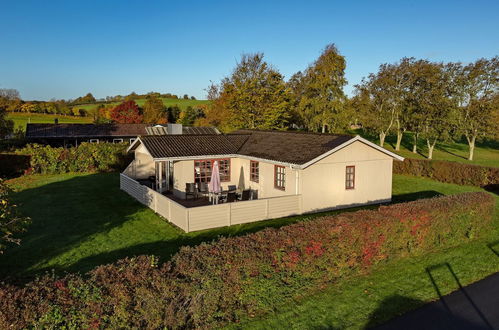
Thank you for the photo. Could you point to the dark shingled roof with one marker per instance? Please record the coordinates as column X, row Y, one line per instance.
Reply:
column 101, row 130
column 83, row 130
column 286, row 147
column 162, row 146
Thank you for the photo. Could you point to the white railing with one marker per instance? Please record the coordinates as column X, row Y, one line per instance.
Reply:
column 211, row 216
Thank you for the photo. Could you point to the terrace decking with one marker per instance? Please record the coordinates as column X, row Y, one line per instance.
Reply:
column 198, row 214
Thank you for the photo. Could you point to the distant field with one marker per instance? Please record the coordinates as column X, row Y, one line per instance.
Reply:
column 182, row 104
column 21, row 119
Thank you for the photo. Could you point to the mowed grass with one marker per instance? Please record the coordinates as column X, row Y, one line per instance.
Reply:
column 21, row 119
column 486, row 152
column 396, row 287
column 181, row 103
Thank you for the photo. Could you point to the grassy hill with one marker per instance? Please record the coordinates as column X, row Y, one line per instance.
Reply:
column 21, row 119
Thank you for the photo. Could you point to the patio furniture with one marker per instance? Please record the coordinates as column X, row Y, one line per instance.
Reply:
column 245, row 195
column 190, row 190
column 232, row 188
column 203, row 188
column 231, row 197
column 254, row 194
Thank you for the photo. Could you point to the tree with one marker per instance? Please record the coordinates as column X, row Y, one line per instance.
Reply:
column 131, row 97
column 126, row 113
column 10, row 94
column 154, row 111
column 190, row 115
column 186, row 97
column 10, row 221
column 6, row 125
column 477, row 86
column 89, row 98
column 193, row 98
column 318, row 92
column 216, row 113
column 173, row 113
column 255, row 95
column 381, row 100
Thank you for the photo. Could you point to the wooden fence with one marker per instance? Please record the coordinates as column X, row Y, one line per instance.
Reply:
column 211, row 216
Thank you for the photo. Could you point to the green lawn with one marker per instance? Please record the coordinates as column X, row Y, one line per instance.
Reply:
column 21, row 119
column 83, row 220
column 486, row 152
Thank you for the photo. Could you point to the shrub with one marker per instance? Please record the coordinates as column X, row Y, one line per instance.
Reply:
column 11, row 222
column 87, row 157
column 13, row 165
column 215, row 283
column 449, row 172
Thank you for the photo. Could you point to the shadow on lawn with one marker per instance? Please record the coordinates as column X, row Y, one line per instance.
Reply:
column 67, row 213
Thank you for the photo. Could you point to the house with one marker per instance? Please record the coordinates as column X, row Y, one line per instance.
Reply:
column 290, row 173
column 72, row 134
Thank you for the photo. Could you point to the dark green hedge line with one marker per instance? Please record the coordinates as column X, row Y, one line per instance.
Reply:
column 215, row 283
column 449, row 172
column 87, row 157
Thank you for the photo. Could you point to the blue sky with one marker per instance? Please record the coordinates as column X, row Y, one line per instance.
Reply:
column 64, row 49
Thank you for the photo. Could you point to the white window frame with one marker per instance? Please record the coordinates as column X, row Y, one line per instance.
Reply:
column 132, row 140
column 94, row 141
column 117, row 140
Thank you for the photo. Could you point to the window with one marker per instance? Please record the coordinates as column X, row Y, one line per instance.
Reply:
column 117, row 140
column 94, row 140
column 132, row 140
column 254, row 171
column 279, row 177
column 350, row 177
column 202, row 169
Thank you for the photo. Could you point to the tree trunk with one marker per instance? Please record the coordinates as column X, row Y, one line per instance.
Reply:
column 382, row 136
column 400, row 134
column 431, row 146
column 323, row 128
column 415, row 143
column 471, row 144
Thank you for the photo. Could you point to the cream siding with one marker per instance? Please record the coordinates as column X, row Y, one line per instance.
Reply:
column 323, row 183
column 143, row 165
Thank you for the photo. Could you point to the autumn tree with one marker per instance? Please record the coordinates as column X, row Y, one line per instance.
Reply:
column 255, row 95
column 216, row 112
column 126, row 113
column 477, row 86
column 89, row 98
column 154, row 111
column 318, row 92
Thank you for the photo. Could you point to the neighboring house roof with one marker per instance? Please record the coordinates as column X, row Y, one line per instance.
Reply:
column 34, row 131
column 290, row 148
column 83, row 130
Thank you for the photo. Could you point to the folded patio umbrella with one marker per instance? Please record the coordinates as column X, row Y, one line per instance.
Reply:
column 240, row 184
column 214, row 185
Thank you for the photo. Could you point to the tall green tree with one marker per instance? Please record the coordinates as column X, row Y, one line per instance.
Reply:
column 6, row 125
column 154, row 111
column 477, row 86
column 318, row 92
column 255, row 95
column 382, row 101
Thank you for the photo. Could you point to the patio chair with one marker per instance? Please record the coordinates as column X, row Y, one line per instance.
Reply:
column 245, row 195
column 232, row 188
column 254, row 194
column 190, row 190
column 203, row 188
column 231, row 197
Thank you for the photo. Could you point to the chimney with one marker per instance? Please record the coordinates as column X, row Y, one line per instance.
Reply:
column 174, row 129
column 56, row 121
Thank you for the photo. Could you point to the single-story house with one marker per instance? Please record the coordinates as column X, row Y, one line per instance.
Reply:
column 287, row 173
column 72, row 134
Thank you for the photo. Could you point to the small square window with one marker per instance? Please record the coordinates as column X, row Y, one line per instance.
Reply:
column 94, row 140
column 117, row 140
column 132, row 140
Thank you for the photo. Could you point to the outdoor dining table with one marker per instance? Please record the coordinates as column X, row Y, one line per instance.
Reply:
column 215, row 197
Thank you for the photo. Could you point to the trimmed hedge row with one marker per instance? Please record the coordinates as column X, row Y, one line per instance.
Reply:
column 87, row 157
column 214, row 283
column 449, row 172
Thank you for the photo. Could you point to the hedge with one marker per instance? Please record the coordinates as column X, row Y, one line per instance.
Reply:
column 215, row 283
column 13, row 165
column 449, row 172
column 87, row 157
